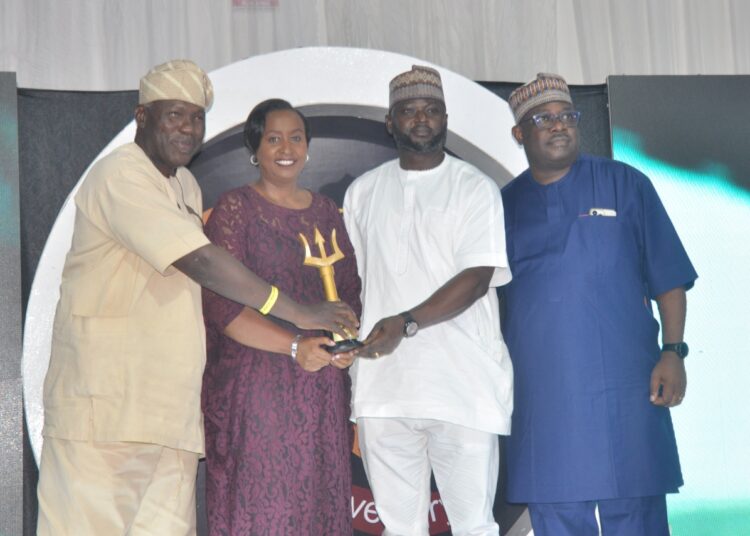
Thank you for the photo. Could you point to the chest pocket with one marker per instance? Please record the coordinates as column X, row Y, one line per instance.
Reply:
column 599, row 246
column 565, row 257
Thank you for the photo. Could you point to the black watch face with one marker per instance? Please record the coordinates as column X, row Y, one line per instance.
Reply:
column 680, row 348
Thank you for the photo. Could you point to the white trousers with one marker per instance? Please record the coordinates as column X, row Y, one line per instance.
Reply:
column 115, row 489
column 398, row 456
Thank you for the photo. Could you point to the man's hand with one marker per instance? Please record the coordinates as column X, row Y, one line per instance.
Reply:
column 668, row 381
column 311, row 355
column 669, row 372
column 336, row 317
column 384, row 337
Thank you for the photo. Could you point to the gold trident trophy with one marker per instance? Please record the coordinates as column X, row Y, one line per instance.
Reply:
column 325, row 263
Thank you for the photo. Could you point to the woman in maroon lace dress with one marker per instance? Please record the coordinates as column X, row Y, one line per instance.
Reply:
column 277, row 435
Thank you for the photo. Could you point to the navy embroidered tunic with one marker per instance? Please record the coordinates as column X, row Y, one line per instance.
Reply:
column 588, row 255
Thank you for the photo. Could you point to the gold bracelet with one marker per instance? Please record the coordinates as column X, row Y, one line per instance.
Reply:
column 270, row 302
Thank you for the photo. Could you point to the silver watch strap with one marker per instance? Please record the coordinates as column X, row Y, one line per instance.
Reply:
column 295, row 347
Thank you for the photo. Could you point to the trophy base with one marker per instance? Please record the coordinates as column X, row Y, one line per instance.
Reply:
column 341, row 347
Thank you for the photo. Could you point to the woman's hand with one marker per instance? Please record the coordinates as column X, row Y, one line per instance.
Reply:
column 344, row 360
column 311, row 354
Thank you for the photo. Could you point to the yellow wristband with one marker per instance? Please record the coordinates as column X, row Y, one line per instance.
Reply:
column 270, row 302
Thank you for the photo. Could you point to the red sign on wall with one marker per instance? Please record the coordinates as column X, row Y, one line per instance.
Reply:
column 255, row 3
column 366, row 521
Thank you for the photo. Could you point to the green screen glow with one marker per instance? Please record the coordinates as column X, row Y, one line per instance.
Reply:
column 712, row 216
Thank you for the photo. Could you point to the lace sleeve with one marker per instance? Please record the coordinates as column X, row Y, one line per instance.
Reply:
column 225, row 228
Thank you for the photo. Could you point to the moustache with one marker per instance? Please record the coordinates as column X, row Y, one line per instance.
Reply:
column 559, row 137
column 421, row 130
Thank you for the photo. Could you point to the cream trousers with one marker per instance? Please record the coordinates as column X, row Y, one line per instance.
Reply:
column 113, row 488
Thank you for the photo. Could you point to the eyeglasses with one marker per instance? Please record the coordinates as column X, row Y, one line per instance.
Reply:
column 568, row 118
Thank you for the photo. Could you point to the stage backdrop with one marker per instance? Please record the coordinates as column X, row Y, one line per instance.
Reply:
column 689, row 135
column 344, row 92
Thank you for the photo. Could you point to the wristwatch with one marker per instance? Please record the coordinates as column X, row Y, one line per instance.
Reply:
column 680, row 348
column 410, row 325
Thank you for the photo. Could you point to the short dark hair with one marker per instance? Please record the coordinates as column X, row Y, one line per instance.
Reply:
column 256, row 122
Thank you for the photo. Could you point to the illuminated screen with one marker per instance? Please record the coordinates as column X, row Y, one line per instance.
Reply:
column 689, row 135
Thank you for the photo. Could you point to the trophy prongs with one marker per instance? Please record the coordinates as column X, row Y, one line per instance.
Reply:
column 324, row 259
column 321, row 242
column 336, row 249
column 306, row 246
column 325, row 263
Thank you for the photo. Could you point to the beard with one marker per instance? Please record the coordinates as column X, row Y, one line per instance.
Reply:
column 405, row 143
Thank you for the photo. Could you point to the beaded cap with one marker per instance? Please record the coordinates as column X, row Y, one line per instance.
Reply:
column 420, row 83
column 545, row 88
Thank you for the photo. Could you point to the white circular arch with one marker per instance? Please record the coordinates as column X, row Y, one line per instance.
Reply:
column 305, row 77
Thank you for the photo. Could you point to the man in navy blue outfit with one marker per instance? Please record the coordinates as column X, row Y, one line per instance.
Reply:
column 590, row 247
